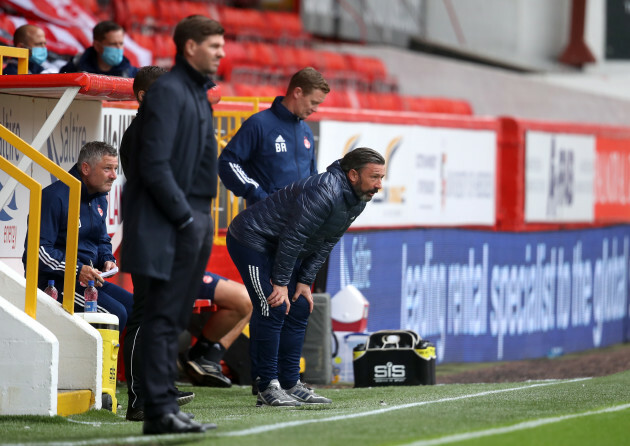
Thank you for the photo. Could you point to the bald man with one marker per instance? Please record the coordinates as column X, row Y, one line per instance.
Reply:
column 33, row 38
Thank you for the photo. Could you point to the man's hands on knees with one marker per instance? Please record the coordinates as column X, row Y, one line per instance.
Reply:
column 304, row 290
column 88, row 273
column 280, row 294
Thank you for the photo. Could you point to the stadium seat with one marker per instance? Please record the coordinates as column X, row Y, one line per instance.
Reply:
column 337, row 98
column 243, row 23
column 372, row 67
column 286, row 26
column 236, row 55
column 387, row 101
column 308, row 57
column 334, row 61
column 135, row 14
column 436, row 105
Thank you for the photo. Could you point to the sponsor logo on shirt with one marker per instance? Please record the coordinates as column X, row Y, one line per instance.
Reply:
column 307, row 143
column 281, row 144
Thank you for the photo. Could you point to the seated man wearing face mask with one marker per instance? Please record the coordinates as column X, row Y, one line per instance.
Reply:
column 33, row 38
column 105, row 56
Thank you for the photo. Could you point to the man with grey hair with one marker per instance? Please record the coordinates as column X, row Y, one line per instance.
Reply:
column 278, row 245
column 96, row 169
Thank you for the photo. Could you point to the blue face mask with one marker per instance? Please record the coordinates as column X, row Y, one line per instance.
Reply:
column 112, row 55
column 38, row 54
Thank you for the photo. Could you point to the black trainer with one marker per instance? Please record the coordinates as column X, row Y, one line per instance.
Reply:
column 183, row 398
column 178, row 423
column 135, row 414
column 206, row 373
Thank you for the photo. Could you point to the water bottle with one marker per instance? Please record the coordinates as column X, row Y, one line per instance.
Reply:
column 51, row 290
column 91, row 297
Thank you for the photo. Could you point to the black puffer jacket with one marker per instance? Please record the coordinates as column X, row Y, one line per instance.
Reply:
column 302, row 221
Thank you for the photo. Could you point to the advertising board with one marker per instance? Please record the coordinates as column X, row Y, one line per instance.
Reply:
column 489, row 296
column 435, row 176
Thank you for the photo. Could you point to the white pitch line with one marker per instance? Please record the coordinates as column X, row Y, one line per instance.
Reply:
column 517, row 427
column 273, row 427
column 261, row 429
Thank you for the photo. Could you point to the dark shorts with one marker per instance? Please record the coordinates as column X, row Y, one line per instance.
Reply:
column 209, row 285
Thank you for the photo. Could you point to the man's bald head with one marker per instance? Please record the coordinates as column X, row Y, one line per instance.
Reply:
column 29, row 36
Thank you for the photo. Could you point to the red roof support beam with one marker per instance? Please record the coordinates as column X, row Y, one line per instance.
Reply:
column 577, row 52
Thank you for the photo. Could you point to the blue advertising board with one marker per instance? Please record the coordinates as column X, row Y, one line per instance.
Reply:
column 492, row 296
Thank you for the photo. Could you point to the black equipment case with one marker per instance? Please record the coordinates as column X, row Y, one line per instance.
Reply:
column 394, row 358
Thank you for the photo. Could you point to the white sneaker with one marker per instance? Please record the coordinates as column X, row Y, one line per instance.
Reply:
column 302, row 393
column 273, row 395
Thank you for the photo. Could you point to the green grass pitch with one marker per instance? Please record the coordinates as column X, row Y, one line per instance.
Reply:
column 560, row 412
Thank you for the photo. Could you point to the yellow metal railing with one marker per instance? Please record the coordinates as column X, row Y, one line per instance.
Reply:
column 21, row 54
column 227, row 124
column 72, row 239
column 35, row 209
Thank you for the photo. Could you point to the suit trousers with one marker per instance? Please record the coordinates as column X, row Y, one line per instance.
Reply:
column 276, row 338
column 167, row 309
column 132, row 350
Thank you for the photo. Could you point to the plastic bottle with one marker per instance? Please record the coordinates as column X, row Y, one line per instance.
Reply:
column 91, row 297
column 51, row 290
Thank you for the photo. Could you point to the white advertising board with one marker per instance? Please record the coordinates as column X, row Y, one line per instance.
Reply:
column 25, row 116
column 84, row 121
column 114, row 123
column 559, row 177
column 434, row 176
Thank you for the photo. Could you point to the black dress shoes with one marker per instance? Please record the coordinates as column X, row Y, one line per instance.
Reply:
column 172, row 423
column 137, row 414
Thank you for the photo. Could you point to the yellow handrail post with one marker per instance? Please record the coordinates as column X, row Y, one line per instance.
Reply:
column 72, row 238
column 21, row 54
column 224, row 132
column 72, row 246
column 35, row 209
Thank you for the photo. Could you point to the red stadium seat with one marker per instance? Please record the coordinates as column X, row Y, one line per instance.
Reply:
column 308, row 57
column 236, row 54
column 337, row 98
column 388, row 101
column 334, row 61
column 240, row 23
column 373, row 68
column 243, row 89
column 436, row 105
column 285, row 26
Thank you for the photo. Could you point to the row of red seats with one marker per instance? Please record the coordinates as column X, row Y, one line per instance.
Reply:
column 238, row 23
column 345, row 98
column 271, row 59
column 274, row 57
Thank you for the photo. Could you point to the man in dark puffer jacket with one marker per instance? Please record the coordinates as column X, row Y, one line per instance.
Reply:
column 278, row 245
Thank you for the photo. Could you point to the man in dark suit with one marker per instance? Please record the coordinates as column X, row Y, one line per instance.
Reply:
column 167, row 235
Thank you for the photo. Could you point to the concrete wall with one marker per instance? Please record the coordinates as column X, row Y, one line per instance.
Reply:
column 496, row 92
column 80, row 345
column 523, row 32
column 29, row 361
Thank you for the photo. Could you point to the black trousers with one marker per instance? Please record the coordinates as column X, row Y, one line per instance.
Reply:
column 167, row 309
column 134, row 367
